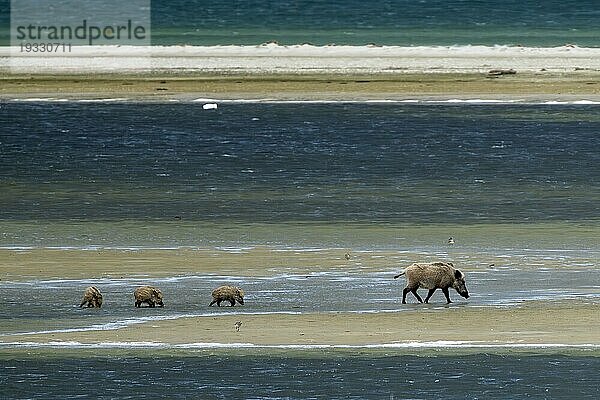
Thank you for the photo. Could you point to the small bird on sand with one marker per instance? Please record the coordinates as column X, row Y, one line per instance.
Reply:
column 451, row 241
column 347, row 256
column 237, row 326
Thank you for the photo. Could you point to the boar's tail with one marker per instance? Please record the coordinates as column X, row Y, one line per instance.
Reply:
column 399, row 275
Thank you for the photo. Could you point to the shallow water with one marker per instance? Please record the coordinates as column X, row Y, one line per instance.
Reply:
column 47, row 305
column 275, row 163
column 517, row 186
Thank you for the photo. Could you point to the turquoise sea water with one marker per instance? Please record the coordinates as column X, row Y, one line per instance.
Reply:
column 518, row 186
column 355, row 22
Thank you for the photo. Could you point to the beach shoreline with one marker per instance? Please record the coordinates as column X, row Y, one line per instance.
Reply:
column 274, row 58
column 304, row 72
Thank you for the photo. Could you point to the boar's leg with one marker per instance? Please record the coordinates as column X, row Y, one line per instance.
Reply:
column 212, row 302
column 447, row 294
column 232, row 302
column 151, row 303
column 413, row 291
column 404, row 293
column 429, row 294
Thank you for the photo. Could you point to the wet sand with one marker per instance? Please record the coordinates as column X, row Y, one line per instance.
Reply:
column 44, row 264
column 535, row 323
column 186, row 86
column 116, row 264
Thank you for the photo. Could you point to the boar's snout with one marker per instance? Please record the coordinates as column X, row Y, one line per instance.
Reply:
column 463, row 291
column 159, row 299
column 459, row 284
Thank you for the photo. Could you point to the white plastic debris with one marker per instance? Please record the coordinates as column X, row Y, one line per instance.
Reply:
column 210, row 106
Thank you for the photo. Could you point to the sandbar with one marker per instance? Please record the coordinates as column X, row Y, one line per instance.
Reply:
column 524, row 87
column 570, row 323
column 304, row 72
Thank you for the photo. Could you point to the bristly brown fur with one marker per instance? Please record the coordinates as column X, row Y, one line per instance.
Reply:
column 232, row 294
column 149, row 295
column 92, row 298
column 432, row 276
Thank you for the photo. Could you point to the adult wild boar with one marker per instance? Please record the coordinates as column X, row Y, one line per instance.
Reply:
column 149, row 295
column 227, row 293
column 92, row 297
column 432, row 276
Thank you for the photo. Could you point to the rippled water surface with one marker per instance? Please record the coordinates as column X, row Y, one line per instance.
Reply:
column 518, row 187
column 272, row 163
column 312, row 376
column 354, row 22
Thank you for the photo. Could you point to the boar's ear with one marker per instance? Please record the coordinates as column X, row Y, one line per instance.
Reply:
column 458, row 274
